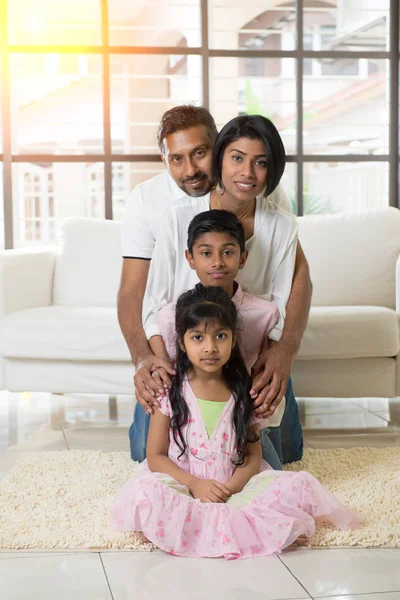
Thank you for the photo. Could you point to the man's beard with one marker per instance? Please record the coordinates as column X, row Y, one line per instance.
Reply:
column 194, row 193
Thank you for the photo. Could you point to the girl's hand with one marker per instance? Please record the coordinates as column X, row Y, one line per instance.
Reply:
column 209, row 490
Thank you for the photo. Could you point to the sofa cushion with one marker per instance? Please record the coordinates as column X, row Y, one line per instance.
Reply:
column 88, row 267
column 81, row 333
column 352, row 258
column 350, row 332
column 60, row 332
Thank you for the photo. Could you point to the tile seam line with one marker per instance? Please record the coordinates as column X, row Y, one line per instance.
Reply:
column 106, row 576
column 294, row 576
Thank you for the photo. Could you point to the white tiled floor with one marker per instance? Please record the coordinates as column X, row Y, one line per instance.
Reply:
column 45, row 422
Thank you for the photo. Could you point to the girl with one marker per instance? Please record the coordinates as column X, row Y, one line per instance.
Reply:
column 204, row 490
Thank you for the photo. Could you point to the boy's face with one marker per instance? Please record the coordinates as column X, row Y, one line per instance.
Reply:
column 216, row 258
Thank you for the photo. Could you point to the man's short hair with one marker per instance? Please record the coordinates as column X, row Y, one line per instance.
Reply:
column 184, row 117
column 215, row 221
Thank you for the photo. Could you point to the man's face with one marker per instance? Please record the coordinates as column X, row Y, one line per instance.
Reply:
column 187, row 156
column 216, row 258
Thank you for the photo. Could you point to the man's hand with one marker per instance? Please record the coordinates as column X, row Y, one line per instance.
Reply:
column 270, row 376
column 209, row 490
column 151, row 380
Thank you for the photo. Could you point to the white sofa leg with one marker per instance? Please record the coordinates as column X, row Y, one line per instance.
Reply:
column 398, row 374
column 113, row 408
column 2, row 374
column 57, row 414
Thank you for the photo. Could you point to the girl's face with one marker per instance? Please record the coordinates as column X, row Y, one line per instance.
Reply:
column 208, row 346
column 244, row 168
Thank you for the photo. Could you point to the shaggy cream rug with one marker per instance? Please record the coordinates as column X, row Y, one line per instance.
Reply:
column 63, row 499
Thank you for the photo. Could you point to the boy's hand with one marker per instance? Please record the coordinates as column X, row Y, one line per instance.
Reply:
column 209, row 490
column 151, row 380
column 270, row 376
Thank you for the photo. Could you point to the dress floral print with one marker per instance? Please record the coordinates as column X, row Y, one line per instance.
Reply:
column 270, row 513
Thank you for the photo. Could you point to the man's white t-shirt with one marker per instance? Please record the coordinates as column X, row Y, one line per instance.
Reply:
column 268, row 271
column 146, row 208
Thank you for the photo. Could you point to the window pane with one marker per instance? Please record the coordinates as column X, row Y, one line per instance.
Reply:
column 1, row 114
column 250, row 26
column 76, row 22
column 126, row 176
column 56, row 103
column 1, row 209
column 46, row 193
column 289, row 182
column 350, row 25
column 346, row 107
column 345, row 187
column 155, row 23
column 142, row 89
column 256, row 86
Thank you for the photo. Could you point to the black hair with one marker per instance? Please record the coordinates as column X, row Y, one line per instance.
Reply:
column 221, row 221
column 210, row 304
column 183, row 117
column 253, row 127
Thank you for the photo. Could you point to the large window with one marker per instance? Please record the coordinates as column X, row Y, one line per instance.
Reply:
column 85, row 82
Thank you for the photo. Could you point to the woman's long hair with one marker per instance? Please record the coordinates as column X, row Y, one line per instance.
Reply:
column 210, row 305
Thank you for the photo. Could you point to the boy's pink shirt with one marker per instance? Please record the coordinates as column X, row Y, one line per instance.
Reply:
column 256, row 318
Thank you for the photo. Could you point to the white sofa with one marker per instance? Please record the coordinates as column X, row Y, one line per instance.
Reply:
column 59, row 330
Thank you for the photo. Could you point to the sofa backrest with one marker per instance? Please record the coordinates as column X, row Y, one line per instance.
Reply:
column 88, row 266
column 352, row 257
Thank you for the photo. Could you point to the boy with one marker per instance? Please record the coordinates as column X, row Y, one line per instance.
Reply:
column 216, row 251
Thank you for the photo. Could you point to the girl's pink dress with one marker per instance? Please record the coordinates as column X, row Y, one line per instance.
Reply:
column 270, row 513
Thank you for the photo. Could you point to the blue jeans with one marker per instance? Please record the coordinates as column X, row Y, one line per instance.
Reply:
column 138, row 433
column 269, row 452
column 291, row 433
column 279, row 444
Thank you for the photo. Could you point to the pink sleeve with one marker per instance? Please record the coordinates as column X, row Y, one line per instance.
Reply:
column 166, row 323
column 272, row 316
column 164, row 405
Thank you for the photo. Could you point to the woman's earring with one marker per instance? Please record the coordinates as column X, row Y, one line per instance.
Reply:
column 220, row 188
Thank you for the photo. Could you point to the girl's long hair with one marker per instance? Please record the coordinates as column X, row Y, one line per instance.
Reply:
column 210, row 305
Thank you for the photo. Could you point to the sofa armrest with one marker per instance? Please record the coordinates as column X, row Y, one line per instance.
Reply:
column 398, row 286
column 26, row 279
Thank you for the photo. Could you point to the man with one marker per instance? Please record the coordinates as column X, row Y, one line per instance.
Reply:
column 185, row 137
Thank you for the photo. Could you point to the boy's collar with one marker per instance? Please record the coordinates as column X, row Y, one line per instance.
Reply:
column 237, row 297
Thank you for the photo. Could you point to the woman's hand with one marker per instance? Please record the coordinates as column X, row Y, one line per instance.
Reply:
column 209, row 490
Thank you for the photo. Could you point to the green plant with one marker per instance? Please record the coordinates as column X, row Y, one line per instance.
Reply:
column 312, row 204
column 252, row 102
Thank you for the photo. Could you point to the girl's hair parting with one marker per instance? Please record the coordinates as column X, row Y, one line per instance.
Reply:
column 207, row 304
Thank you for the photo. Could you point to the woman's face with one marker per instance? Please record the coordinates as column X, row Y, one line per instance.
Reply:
column 244, row 168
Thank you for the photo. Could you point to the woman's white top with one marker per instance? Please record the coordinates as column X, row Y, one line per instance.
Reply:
column 268, row 271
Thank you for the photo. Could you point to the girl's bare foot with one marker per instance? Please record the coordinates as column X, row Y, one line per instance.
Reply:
column 143, row 538
column 302, row 540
